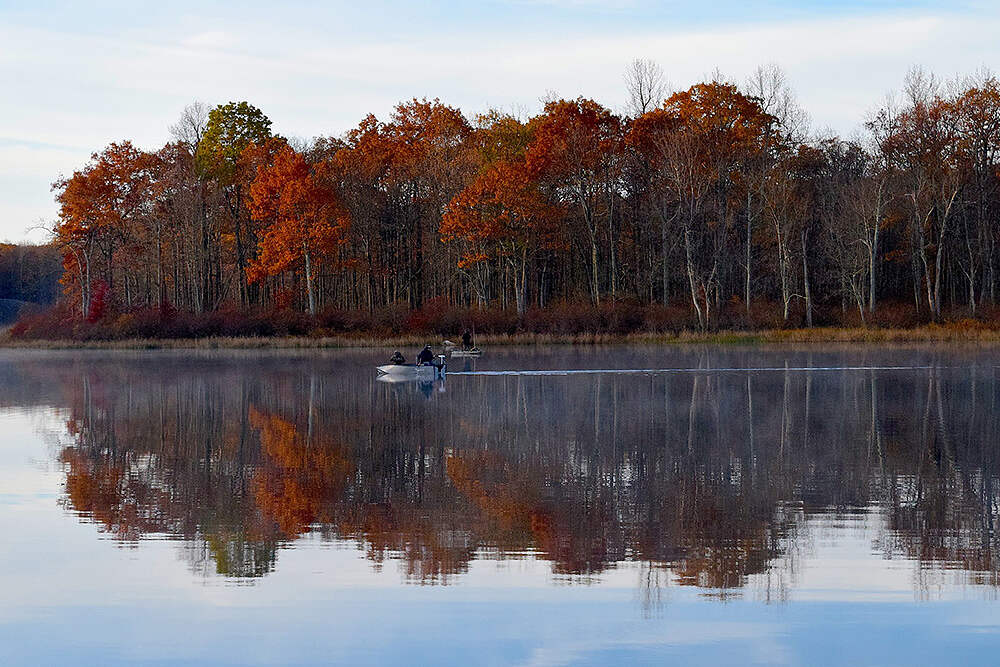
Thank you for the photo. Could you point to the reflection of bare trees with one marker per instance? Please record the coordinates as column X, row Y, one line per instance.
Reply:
column 940, row 485
column 708, row 478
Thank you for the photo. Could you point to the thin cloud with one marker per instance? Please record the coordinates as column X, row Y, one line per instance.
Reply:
column 80, row 90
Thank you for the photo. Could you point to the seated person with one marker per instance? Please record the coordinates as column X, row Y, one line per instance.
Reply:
column 397, row 358
column 426, row 355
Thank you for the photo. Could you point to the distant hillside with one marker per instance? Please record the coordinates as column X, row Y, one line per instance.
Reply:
column 9, row 308
column 29, row 274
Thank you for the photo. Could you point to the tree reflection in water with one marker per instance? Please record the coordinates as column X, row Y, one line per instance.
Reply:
column 706, row 478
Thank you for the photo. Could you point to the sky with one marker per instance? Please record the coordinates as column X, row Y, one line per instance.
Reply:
column 76, row 76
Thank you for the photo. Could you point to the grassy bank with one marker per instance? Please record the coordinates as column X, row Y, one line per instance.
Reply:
column 962, row 332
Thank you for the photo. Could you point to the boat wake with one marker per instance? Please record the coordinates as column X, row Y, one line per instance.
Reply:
column 658, row 371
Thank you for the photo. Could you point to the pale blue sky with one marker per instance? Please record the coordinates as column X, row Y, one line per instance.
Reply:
column 75, row 76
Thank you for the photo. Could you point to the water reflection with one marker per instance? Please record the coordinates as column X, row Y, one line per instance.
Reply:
column 710, row 479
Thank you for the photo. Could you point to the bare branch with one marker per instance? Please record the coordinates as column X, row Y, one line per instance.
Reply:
column 645, row 85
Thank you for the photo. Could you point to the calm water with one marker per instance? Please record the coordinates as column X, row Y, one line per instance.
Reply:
column 712, row 506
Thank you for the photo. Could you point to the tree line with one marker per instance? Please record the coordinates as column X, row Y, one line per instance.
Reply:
column 29, row 274
column 718, row 198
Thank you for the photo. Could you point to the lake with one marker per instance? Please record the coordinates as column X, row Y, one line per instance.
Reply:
column 538, row 506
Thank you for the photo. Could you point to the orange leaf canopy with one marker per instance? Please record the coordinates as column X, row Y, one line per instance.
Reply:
column 302, row 214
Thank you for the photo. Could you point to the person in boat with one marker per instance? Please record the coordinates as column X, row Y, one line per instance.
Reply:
column 426, row 355
column 466, row 340
column 397, row 358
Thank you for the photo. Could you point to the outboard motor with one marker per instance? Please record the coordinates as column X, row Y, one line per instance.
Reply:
column 442, row 363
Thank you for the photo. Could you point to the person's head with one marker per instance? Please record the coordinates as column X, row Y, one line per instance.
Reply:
column 427, row 347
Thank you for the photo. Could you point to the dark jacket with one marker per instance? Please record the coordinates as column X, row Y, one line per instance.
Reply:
column 425, row 356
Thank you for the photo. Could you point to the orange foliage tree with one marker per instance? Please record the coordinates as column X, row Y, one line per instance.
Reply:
column 396, row 178
column 100, row 208
column 700, row 140
column 305, row 223
column 576, row 151
column 502, row 213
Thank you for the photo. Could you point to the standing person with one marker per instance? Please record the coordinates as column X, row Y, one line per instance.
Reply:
column 466, row 340
column 426, row 355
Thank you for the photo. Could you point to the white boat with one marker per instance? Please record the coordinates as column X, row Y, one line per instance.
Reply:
column 409, row 379
column 474, row 352
column 415, row 371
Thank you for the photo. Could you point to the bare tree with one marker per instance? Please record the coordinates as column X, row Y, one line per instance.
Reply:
column 770, row 86
column 190, row 127
column 923, row 148
column 921, row 86
column 645, row 85
column 976, row 99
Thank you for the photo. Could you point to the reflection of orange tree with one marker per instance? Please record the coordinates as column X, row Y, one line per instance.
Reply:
column 577, row 531
column 722, row 543
column 300, row 476
column 512, row 507
column 302, row 481
column 102, row 490
column 719, row 539
column 433, row 543
column 128, row 498
column 181, row 473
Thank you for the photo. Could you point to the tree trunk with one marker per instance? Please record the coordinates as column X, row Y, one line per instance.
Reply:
column 691, row 281
column 309, row 284
column 522, row 288
column 786, row 296
column 206, row 260
column 83, row 286
column 241, row 264
column 928, row 285
column 611, row 247
column 805, row 280
column 593, row 271
column 872, row 261
column 992, row 281
column 746, row 295
column 86, row 291
column 160, row 284
column 665, row 269
column 938, row 255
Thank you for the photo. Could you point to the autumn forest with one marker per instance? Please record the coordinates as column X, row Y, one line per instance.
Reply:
column 715, row 206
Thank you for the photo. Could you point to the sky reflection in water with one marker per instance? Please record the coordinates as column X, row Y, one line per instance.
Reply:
column 287, row 508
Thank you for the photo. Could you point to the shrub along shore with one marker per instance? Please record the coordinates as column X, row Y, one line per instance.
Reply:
column 574, row 324
column 952, row 332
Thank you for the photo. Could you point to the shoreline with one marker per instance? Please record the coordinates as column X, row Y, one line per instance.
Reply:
column 925, row 334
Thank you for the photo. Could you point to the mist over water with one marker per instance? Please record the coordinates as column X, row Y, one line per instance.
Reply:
column 782, row 505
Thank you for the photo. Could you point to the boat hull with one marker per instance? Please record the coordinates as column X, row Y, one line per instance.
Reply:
column 474, row 352
column 411, row 371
